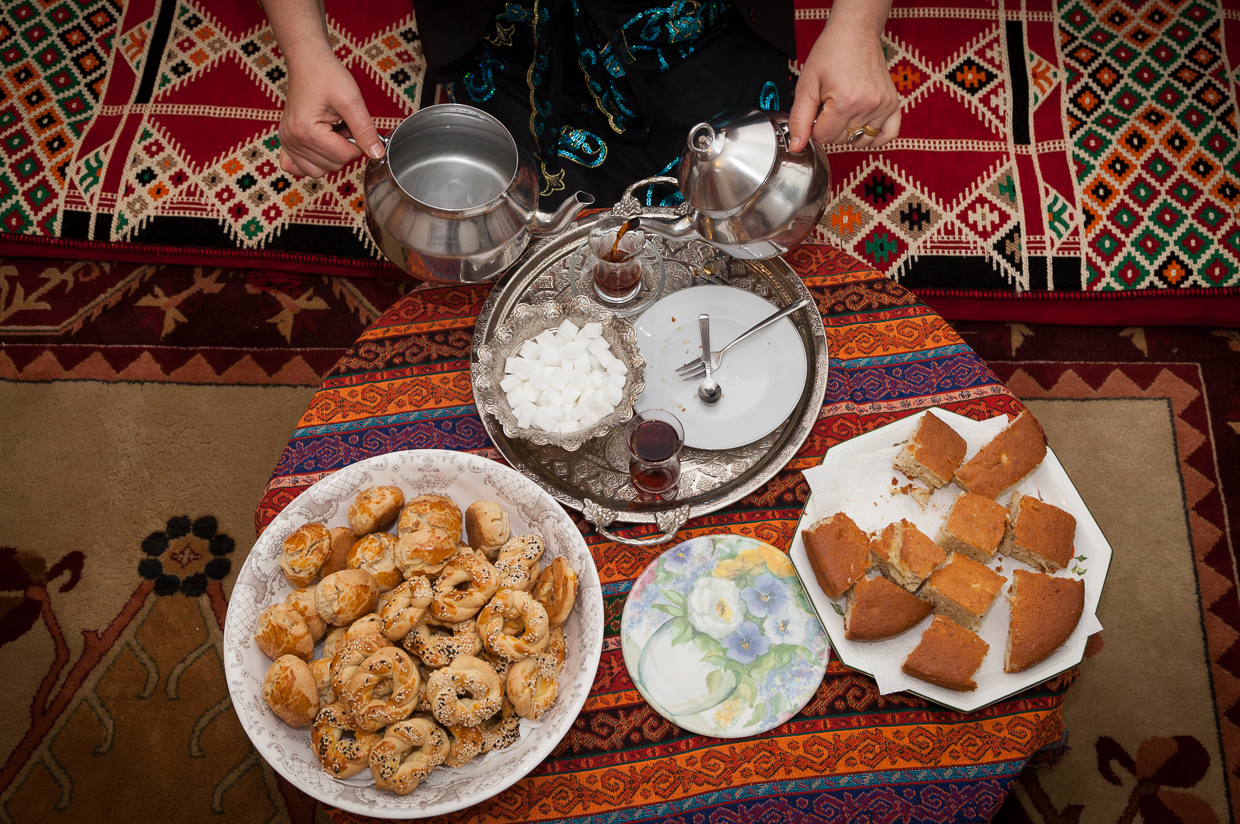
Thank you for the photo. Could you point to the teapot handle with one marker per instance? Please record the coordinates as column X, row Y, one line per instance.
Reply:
column 628, row 205
column 784, row 136
column 341, row 128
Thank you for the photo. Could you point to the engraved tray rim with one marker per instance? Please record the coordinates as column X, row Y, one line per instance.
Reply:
column 542, row 256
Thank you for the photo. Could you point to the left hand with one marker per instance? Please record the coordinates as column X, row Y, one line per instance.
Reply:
column 845, row 84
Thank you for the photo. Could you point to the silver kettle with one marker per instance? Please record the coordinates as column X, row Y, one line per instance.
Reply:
column 745, row 192
column 455, row 199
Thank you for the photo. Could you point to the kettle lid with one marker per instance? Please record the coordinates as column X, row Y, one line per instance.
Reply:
column 727, row 159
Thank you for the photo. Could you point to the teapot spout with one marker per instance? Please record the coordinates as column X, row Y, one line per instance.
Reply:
column 681, row 228
column 543, row 224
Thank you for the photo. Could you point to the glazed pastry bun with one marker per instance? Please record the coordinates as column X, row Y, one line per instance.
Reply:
column 343, row 597
column 305, row 552
column 375, row 508
column 282, row 631
column 289, row 689
column 488, row 528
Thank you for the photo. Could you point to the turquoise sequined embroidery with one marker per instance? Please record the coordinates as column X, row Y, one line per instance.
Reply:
column 582, row 147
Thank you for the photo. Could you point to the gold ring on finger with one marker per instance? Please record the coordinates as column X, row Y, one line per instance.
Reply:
column 870, row 130
column 854, row 134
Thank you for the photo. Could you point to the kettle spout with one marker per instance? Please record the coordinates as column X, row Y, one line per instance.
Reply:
column 544, row 224
column 681, row 228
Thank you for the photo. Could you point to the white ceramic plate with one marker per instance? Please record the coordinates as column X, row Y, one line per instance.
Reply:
column 465, row 478
column 720, row 638
column 1049, row 482
column 762, row 377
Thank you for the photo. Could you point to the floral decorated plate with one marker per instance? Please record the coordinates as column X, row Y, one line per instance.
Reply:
column 720, row 638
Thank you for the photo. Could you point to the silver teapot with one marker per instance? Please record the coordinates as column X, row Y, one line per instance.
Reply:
column 455, row 199
column 745, row 192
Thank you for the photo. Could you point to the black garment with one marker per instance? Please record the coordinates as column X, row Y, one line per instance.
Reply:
column 603, row 94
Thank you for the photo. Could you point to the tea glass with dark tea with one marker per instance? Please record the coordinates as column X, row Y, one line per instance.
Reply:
column 654, row 439
column 616, row 246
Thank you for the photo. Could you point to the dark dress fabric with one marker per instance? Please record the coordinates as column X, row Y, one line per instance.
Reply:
column 603, row 94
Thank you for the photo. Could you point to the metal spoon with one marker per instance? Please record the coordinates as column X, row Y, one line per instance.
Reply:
column 709, row 390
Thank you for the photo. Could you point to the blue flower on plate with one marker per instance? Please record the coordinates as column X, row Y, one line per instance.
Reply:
column 767, row 596
column 681, row 558
column 747, row 643
column 789, row 628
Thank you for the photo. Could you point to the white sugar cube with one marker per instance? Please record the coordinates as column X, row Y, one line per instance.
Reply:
column 531, row 393
column 567, row 331
column 597, row 405
column 617, row 367
column 604, row 359
column 582, row 364
column 509, row 383
column 569, row 395
column 558, row 378
column 586, row 394
column 556, row 412
column 549, row 355
column 569, row 427
column 598, row 345
column 597, row 379
column 551, row 397
column 589, row 419
column 592, row 330
column 517, row 397
column 524, row 369
column 510, row 365
column 612, row 394
column 545, row 338
column 525, row 415
column 544, row 420
column 580, row 380
column 616, row 379
column 539, row 380
column 529, row 350
column 574, row 349
column 595, row 363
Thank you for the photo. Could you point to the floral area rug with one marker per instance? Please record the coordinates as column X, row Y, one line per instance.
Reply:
column 1049, row 149
column 145, row 408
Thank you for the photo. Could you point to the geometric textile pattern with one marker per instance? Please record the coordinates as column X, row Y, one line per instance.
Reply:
column 182, row 149
column 1089, row 145
column 1152, row 129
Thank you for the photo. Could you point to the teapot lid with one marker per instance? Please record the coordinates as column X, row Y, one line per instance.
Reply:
column 727, row 159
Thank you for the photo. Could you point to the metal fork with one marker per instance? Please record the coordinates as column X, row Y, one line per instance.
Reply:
column 696, row 368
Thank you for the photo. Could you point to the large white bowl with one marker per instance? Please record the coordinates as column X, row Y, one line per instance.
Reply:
column 465, row 478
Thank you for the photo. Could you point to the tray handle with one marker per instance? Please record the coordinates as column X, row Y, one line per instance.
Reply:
column 670, row 522
column 628, row 205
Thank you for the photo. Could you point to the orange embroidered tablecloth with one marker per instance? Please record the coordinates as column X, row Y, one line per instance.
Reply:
column 850, row 752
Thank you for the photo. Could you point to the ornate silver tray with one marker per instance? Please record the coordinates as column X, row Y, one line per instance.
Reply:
column 595, row 478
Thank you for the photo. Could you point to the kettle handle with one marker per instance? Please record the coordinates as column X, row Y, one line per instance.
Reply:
column 341, row 128
column 784, row 136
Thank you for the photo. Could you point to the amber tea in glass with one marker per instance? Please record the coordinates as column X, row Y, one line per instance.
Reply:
column 654, row 439
column 616, row 246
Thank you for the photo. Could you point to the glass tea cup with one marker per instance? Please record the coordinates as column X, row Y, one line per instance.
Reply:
column 654, row 439
column 616, row 246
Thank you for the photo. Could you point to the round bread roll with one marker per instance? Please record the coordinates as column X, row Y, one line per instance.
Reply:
column 430, row 531
column 375, row 508
column 290, row 691
column 302, row 600
column 342, row 541
column 332, row 642
column 305, row 552
column 487, row 527
column 321, row 669
column 345, row 596
column 376, row 553
column 280, row 630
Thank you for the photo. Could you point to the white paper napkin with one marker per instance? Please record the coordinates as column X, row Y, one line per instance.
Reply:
column 865, row 491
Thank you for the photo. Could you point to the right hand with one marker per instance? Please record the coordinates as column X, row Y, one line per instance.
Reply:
column 321, row 93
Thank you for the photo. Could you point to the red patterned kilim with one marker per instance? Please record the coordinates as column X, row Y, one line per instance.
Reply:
column 1048, row 148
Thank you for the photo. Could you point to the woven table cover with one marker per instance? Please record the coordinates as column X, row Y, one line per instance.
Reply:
column 850, row 753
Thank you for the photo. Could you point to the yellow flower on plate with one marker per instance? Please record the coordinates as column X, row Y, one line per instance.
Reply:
column 755, row 561
column 729, row 712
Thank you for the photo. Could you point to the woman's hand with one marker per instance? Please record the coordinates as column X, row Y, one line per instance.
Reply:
column 845, row 84
column 321, row 93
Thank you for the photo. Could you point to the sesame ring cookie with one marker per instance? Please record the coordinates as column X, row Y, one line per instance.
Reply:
column 410, row 749
column 466, row 743
column 464, row 587
column 437, row 648
column 376, row 553
column 513, row 604
column 405, row 607
column 349, row 656
column 533, row 684
column 518, row 561
column 501, row 730
column 467, row 692
column 281, row 630
column 556, row 590
column 557, row 647
column 407, row 753
column 375, row 508
column 342, row 749
column 305, row 552
column 392, row 669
